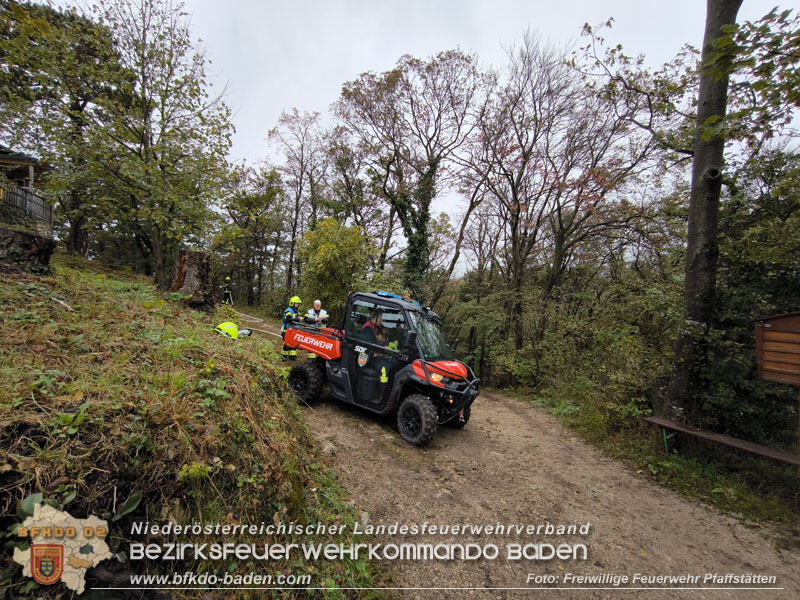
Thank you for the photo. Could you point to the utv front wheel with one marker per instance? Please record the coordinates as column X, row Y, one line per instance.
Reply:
column 417, row 420
column 306, row 381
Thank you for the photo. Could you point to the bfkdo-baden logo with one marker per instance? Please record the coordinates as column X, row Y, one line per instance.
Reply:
column 48, row 562
column 62, row 547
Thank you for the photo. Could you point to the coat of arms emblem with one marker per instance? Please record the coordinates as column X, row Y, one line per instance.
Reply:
column 47, row 562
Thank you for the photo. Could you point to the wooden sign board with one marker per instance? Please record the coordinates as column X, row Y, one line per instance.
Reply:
column 778, row 348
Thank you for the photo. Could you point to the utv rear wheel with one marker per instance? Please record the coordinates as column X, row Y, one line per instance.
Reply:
column 306, row 381
column 457, row 423
column 417, row 420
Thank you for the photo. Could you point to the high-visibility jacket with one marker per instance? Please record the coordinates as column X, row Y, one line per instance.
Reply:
column 289, row 316
column 313, row 315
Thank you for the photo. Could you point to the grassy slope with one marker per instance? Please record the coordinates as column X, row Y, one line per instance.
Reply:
column 130, row 392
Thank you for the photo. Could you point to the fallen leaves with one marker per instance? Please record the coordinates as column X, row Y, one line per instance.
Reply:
column 24, row 463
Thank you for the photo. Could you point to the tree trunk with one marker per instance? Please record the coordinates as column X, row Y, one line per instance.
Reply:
column 78, row 238
column 312, row 187
column 250, row 277
column 416, row 229
column 159, row 268
column 516, row 312
column 192, row 279
column 292, row 244
column 387, row 242
column 417, row 254
column 474, row 202
column 516, row 277
column 273, row 264
column 260, row 275
column 77, row 241
column 691, row 349
column 482, row 363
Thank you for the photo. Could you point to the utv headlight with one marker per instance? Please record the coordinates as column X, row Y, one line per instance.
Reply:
column 437, row 378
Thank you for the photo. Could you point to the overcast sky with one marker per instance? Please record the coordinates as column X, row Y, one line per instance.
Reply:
column 277, row 54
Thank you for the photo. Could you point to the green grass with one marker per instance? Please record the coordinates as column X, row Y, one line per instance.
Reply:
column 124, row 391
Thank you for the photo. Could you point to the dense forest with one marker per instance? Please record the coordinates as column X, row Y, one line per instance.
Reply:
column 563, row 269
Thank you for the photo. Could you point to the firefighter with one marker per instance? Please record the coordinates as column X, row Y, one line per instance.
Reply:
column 290, row 315
column 317, row 317
column 227, row 295
column 373, row 330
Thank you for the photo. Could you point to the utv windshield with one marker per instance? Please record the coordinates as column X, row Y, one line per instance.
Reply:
column 431, row 337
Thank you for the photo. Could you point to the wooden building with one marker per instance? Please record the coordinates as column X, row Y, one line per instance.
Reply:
column 778, row 348
column 18, row 168
column 22, row 207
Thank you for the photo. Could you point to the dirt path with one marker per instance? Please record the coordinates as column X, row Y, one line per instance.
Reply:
column 515, row 464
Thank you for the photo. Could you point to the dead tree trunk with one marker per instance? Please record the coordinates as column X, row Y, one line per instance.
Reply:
column 192, row 279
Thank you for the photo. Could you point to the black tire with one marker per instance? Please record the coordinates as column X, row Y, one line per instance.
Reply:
column 458, row 423
column 306, row 380
column 417, row 420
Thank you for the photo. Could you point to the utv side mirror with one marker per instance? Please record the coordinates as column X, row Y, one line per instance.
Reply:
column 411, row 340
column 454, row 345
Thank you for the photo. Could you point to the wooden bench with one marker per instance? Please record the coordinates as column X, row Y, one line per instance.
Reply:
column 786, row 457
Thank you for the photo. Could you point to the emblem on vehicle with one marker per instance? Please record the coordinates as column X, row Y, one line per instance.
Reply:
column 362, row 359
column 360, row 349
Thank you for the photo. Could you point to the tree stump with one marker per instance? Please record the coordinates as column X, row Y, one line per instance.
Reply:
column 192, row 279
column 26, row 251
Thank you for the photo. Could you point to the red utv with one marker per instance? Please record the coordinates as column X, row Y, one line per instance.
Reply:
column 389, row 355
